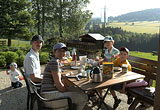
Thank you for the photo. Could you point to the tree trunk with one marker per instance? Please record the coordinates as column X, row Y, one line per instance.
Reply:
column 43, row 18
column 38, row 17
column 9, row 42
column 60, row 20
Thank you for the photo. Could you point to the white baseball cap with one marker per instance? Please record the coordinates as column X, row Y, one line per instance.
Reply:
column 14, row 65
column 108, row 38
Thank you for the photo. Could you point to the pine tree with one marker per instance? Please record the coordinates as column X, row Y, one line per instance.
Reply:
column 15, row 19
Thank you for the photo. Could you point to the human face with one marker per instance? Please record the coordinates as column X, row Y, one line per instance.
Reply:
column 60, row 53
column 108, row 44
column 123, row 56
column 36, row 45
column 12, row 68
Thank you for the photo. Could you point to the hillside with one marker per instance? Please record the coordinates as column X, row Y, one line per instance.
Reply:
column 144, row 15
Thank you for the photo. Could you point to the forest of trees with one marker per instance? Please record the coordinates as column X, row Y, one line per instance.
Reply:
column 22, row 19
column 134, row 41
column 67, row 19
column 144, row 15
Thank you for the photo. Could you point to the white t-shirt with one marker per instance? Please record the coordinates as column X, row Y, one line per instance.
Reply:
column 14, row 75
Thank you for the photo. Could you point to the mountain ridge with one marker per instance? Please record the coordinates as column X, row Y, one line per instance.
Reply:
column 143, row 15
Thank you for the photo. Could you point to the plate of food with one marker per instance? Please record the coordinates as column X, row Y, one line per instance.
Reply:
column 75, row 67
column 117, row 68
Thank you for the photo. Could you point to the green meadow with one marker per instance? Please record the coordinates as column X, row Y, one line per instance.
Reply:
column 144, row 55
column 139, row 27
column 18, row 42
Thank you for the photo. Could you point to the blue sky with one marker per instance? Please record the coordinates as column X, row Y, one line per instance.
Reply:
column 118, row 7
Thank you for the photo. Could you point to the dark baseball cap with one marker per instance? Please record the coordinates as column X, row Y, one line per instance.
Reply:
column 59, row 46
column 37, row 37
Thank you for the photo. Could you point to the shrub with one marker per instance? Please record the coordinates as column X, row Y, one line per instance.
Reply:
column 2, row 53
column 20, row 52
column 44, row 57
column 11, row 57
column 20, row 60
column 2, row 61
column 4, row 48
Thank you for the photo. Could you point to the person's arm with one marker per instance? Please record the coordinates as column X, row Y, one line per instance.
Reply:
column 30, row 68
column 58, row 82
column 114, row 56
column 7, row 72
column 35, row 79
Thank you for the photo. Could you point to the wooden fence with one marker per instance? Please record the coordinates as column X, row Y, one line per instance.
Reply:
column 3, row 42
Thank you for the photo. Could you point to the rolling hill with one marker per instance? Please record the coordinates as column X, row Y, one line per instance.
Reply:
column 144, row 15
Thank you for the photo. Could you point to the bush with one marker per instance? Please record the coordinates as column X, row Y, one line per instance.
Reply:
column 44, row 57
column 2, row 61
column 20, row 60
column 11, row 57
column 2, row 53
column 20, row 52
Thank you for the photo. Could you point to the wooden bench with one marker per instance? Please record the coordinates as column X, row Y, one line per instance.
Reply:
column 3, row 42
column 148, row 68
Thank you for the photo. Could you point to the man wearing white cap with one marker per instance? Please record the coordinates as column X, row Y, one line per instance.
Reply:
column 110, row 52
column 31, row 62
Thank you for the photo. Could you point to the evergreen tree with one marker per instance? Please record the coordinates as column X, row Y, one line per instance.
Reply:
column 15, row 19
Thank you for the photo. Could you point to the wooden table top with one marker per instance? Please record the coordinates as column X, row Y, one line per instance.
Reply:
column 118, row 77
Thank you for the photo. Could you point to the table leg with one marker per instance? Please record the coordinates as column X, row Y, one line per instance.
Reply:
column 102, row 99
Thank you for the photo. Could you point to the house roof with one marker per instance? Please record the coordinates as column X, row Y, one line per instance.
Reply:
column 96, row 36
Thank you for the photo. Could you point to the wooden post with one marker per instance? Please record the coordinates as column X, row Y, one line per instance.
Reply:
column 157, row 95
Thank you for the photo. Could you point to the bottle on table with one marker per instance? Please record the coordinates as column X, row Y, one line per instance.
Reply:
column 74, row 57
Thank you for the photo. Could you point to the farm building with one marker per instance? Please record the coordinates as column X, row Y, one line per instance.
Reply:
column 89, row 44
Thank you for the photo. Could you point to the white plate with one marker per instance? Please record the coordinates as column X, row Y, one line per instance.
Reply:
column 117, row 68
column 75, row 67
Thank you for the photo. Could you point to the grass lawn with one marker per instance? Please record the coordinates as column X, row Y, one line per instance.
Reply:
column 18, row 42
column 139, row 27
column 144, row 55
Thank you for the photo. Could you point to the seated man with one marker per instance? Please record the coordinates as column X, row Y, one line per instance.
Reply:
column 31, row 62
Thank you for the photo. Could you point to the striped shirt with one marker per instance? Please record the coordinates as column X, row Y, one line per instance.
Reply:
column 108, row 55
column 48, row 81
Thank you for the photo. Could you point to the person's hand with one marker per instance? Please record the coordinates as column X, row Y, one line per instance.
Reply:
column 112, row 57
column 7, row 72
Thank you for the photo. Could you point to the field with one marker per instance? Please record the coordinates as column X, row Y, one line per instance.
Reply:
column 144, row 55
column 139, row 27
column 18, row 42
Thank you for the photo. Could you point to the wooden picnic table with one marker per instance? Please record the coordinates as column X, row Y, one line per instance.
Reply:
column 87, row 85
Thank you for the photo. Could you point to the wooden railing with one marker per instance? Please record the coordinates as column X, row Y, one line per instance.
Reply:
column 3, row 42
